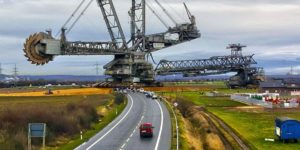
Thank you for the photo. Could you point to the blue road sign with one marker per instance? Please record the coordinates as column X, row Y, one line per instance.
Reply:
column 37, row 129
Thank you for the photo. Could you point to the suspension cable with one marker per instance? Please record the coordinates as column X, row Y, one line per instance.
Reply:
column 72, row 15
column 166, row 12
column 175, row 10
column 160, row 19
column 81, row 14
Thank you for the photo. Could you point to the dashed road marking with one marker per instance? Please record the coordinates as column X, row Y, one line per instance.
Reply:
column 113, row 126
column 143, row 116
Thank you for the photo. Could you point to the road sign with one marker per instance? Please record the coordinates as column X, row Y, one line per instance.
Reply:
column 175, row 104
column 36, row 130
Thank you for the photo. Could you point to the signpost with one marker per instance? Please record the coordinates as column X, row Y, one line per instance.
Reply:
column 175, row 104
column 36, row 130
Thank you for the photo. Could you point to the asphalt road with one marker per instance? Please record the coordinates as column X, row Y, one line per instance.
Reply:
column 123, row 132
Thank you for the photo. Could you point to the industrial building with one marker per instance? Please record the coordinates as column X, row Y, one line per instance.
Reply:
column 286, row 87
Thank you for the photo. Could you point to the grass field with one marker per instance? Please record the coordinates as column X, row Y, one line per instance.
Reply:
column 110, row 115
column 77, row 111
column 256, row 126
column 12, row 101
column 201, row 100
column 219, row 84
column 252, row 123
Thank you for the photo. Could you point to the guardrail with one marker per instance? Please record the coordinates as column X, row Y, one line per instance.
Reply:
column 177, row 128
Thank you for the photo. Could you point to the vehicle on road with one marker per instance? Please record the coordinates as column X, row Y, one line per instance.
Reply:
column 154, row 96
column 141, row 90
column 148, row 94
column 146, row 130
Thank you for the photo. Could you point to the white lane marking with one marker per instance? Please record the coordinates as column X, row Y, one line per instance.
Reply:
column 123, row 146
column 113, row 126
column 80, row 146
column 138, row 125
column 161, row 125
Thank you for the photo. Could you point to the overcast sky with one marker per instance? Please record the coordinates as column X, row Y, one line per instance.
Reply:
column 270, row 29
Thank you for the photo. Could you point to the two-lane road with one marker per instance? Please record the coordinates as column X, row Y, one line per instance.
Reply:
column 123, row 132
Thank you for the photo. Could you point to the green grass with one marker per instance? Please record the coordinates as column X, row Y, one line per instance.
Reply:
column 231, row 91
column 183, row 141
column 46, row 101
column 253, row 126
column 211, row 101
column 206, row 101
column 111, row 115
column 215, row 84
column 173, row 122
column 183, row 144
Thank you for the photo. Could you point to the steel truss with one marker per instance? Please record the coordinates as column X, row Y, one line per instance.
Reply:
column 236, row 62
column 217, row 65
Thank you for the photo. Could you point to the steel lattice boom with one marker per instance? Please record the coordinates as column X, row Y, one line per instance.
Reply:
column 129, row 64
column 236, row 62
column 213, row 65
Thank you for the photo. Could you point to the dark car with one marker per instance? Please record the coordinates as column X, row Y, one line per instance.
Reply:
column 146, row 130
column 148, row 94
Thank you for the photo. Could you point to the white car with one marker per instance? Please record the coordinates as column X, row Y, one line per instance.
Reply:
column 141, row 90
column 154, row 96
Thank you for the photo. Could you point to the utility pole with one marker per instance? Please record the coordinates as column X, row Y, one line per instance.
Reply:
column 15, row 71
column 15, row 74
column 0, row 68
column 97, row 71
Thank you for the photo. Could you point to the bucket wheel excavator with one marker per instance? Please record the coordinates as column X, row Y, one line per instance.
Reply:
column 129, row 64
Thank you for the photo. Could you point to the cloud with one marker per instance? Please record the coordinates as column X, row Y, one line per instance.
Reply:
column 284, row 70
column 268, row 27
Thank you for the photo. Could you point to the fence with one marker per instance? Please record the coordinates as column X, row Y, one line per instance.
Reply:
column 250, row 101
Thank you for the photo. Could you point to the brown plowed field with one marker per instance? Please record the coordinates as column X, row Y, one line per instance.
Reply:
column 63, row 92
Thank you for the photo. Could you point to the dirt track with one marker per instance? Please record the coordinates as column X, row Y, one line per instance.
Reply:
column 240, row 142
column 202, row 133
column 210, row 131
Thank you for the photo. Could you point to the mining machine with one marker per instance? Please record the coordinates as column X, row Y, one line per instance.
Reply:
column 247, row 75
column 130, row 63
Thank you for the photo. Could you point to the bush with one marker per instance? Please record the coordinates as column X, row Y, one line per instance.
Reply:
column 119, row 98
column 64, row 121
column 184, row 106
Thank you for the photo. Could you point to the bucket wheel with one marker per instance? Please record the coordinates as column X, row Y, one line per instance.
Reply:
column 35, row 50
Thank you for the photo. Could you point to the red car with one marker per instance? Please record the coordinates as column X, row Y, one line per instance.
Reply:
column 146, row 130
